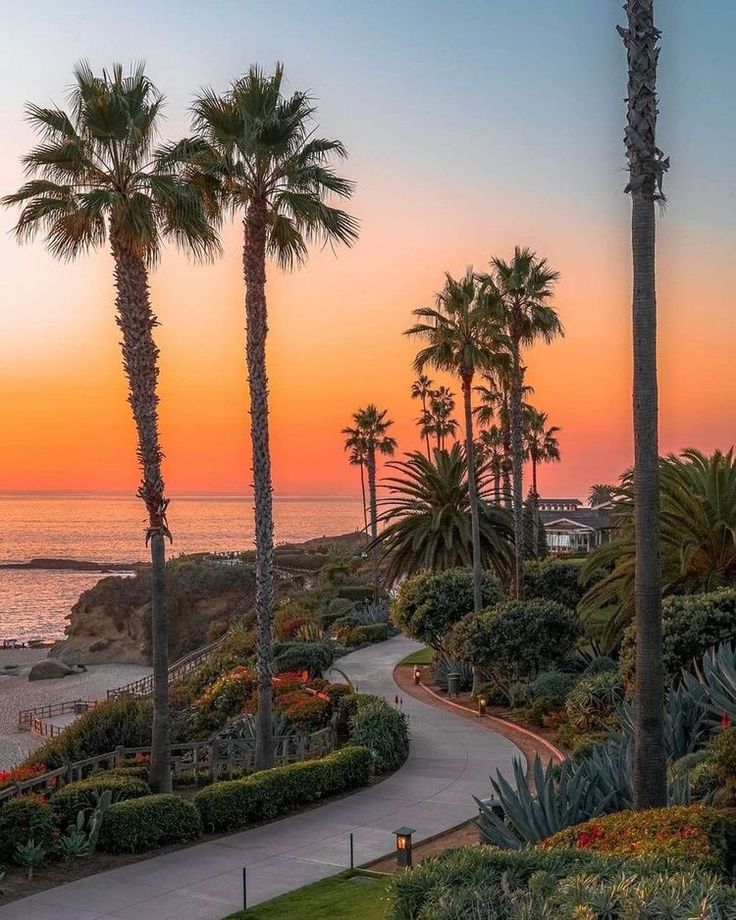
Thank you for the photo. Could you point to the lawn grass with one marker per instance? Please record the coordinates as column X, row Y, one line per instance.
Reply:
column 423, row 656
column 338, row 898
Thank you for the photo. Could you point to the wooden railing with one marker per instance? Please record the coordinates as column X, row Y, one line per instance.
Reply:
column 218, row 758
column 36, row 720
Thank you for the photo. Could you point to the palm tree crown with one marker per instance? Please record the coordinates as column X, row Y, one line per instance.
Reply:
column 96, row 173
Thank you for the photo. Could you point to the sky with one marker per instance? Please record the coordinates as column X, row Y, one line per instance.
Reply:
column 472, row 125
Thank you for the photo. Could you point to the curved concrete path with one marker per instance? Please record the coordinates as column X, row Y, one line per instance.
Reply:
column 450, row 761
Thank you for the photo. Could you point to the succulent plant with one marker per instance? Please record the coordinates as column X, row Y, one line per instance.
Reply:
column 31, row 855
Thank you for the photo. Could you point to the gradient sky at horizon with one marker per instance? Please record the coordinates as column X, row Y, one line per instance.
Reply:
column 471, row 126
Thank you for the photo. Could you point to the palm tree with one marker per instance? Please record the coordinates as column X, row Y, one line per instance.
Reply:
column 356, row 445
column 259, row 150
column 428, row 517
column 461, row 338
column 541, row 446
column 647, row 165
column 438, row 420
column 600, row 493
column 371, row 433
column 491, row 450
column 421, row 389
column 96, row 178
column 697, row 540
column 523, row 288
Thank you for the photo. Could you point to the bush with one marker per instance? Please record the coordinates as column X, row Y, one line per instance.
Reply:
column 383, row 730
column 554, row 580
column 487, row 872
column 138, row 825
column 723, row 752
column 512, row 642
column 428, row 605
column 693, row 833
column 592, row 702
column 313, row 657
column 268, row 794
column 229, row 694
column 24, row 818
column 552, row 686
column 599, row 664
column 305, row 712
column 72, row 798
column 691, row 625
column 375, row 632
column 125, row 722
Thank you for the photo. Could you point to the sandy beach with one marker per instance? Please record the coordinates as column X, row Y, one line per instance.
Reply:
column 17, row 692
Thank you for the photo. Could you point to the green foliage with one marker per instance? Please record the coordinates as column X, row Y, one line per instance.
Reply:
column 68, row 801
column 74, row 844
column 428, row 518
column 552, row 686
column 592, row 703
column 376, row 632
column 428, row 605
column 723, row 752
column 690, row 626
column 445, row 665
column 599, row 664
column 31, row 854
column 24, row 818
column 697, row 535
column 125, row 722
column 512, row 642
column 715, row 684
column 270, row 793
column 228, row 695
column 554, row 580
column 313, row 657
column 383, row 730
column 138, row 825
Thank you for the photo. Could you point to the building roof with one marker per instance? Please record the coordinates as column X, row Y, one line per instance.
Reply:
column 594, row 518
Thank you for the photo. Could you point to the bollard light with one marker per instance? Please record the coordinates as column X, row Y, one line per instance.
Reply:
column 482, row 704
column 417, row 675
column 403, row 847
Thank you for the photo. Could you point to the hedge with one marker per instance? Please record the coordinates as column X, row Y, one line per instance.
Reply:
column 697, row 834
column 268, row 794
column 554, row 580
column 373, row 632
column 313, row 657
column 137, row 825
column 383, row 730
column 24, row 818
column 68, row 801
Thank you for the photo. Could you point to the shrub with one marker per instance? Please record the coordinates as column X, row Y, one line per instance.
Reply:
column 598, row 664
column 554, row 580
column 428, row 605
column 74, row 797
column 487, row 871
column 313, row 657
column 444, row 665
column 229, row 694
column 375, row 632
column 304, row 711
column 552, row 686
column 700, row 769
column 137, row 825
column 592, row 702
column 691, row 624
column 512, row 642
column 383, row 730
column 266, row 795
column 723, row 752
column 693, row 833
column 24, row 818
column 346, row 709
column 125, row 722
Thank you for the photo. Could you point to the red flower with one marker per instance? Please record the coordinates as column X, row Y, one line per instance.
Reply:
column 725, row 721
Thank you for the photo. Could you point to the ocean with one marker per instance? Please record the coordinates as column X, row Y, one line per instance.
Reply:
column 111, row 529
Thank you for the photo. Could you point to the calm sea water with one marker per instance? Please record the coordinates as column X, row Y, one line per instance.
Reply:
column 105, row 528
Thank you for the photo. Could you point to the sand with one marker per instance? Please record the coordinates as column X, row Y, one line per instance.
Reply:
column 18, row 693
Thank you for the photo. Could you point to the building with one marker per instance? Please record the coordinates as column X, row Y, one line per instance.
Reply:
column 571, row 528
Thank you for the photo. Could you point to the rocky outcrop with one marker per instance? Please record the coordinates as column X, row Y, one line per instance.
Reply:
column 111, row 622
column 49, row 669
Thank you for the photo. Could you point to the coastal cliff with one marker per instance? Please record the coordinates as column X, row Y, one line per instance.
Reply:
column 111, row 622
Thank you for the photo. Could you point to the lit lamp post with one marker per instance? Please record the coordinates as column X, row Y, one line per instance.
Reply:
column 417, row 675
column 403, row 847
column 482, row 704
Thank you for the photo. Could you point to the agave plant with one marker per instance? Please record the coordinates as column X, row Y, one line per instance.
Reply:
column 368, row 614
column 714, row 684
column 445, row 665
column 310, row 632
column 685, row 721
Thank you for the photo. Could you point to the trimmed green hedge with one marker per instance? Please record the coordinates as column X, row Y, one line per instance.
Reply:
column 270, row 793
column 72, row 798
column 137, row 825
column 383, row 730
column 373, row 632
column 24, row 818
column 313, row 657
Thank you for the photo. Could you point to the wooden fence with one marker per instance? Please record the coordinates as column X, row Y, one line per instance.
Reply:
column 144, row 687
column 217, row 758
column 36, row 720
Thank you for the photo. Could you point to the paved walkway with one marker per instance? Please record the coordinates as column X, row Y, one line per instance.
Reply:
column 450, row 761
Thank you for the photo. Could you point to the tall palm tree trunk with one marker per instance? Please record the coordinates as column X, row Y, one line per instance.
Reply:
column 365, row 506
column 467, row 380
column 506, row 462
column 426, row 433
column 136, row 321
column 535, row 509
column 373, row 502
column 517, row 459
column 646, row 168
column 254, row 268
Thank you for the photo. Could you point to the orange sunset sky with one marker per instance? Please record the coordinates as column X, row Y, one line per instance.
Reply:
column 470, row 129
